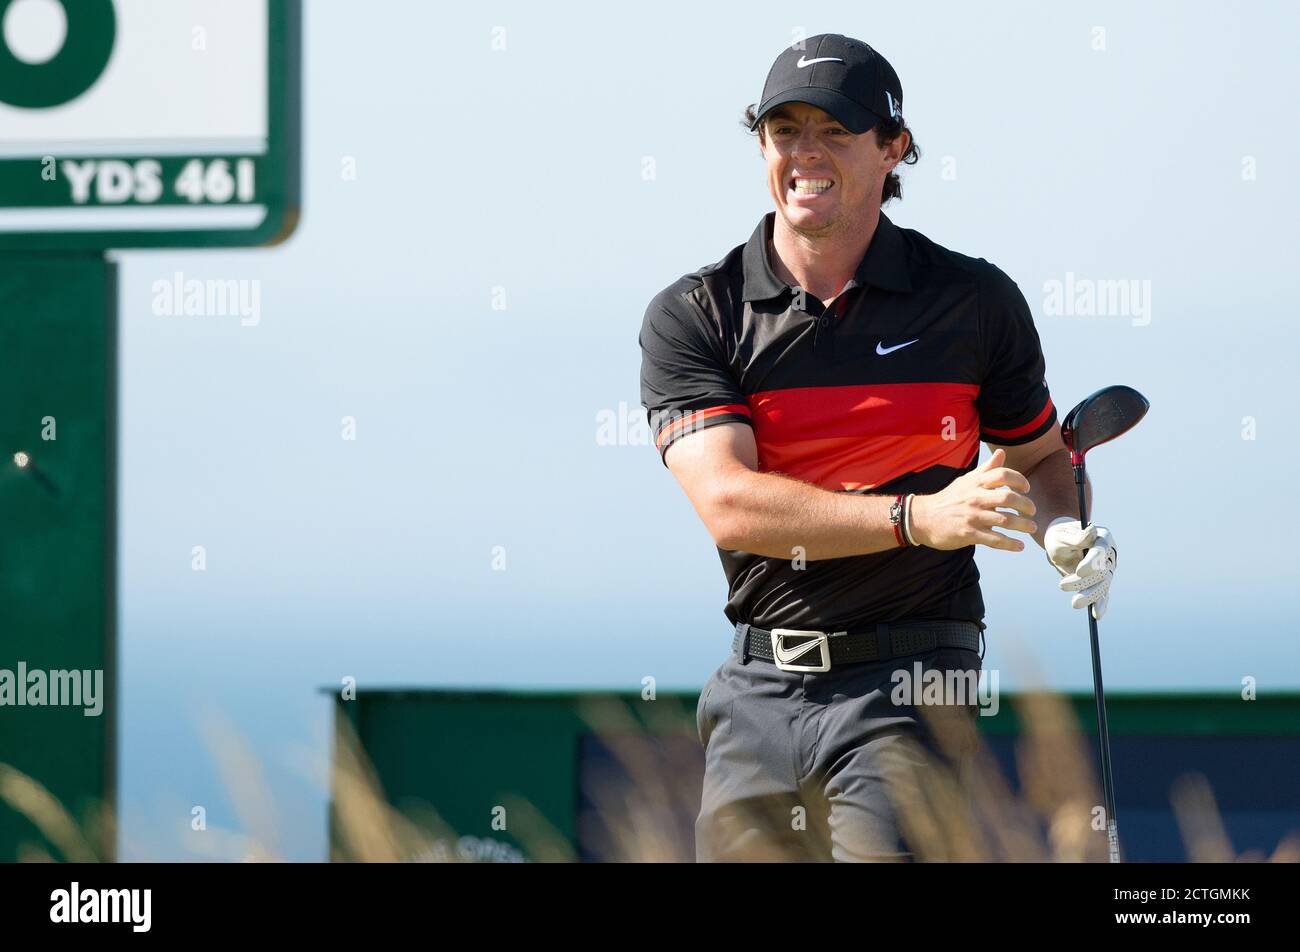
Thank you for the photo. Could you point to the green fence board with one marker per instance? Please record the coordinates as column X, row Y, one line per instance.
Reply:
column 58, row 333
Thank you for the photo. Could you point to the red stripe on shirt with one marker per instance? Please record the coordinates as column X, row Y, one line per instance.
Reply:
column 1029, row 427
column 694, row 417
column 860, row 437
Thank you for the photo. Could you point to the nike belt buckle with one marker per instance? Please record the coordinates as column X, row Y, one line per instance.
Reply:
column 787, row 658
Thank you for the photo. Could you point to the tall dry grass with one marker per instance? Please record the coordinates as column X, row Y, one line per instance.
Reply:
column 953, row 801
column 954, row 807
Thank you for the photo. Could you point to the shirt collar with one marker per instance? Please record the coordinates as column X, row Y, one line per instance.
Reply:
column 883, row 266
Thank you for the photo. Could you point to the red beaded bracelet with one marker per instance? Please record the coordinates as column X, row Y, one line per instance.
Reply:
column 896, row 519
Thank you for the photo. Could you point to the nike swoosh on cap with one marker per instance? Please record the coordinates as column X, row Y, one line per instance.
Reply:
column 821, row 59
column 882, row 350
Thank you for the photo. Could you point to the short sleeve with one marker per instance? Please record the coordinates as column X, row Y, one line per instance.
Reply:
column 685, row 383
column 1014, row 403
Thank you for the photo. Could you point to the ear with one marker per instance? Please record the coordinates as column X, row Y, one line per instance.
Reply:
column 898, row 148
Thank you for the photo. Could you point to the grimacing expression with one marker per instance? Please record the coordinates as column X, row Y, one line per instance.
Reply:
column 822, row 177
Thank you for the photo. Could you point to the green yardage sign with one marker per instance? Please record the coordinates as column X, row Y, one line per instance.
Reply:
column 89, row 27
column 148, row 123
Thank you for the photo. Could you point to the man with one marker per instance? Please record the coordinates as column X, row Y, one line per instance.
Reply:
column 820, row 395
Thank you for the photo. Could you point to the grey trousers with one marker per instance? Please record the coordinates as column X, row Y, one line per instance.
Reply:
column 815, row 767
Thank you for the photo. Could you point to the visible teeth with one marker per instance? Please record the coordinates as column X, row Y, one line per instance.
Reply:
column 812, row 185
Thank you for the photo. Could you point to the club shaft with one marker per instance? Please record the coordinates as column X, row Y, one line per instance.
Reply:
column 1099, row 692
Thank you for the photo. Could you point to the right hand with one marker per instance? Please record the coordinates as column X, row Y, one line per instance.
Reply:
column 966, row 510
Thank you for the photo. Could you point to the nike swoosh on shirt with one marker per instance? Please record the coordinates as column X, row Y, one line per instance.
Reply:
column 820, row 59
column 882, row 350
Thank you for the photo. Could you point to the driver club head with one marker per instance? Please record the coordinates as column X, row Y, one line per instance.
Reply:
column 1099, row 418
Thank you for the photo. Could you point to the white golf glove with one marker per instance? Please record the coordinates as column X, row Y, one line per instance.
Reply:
column 1085, row 559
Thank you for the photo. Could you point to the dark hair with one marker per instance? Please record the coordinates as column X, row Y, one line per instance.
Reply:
column 887, row 130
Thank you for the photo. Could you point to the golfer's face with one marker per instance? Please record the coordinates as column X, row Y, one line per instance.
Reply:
column 819, row 173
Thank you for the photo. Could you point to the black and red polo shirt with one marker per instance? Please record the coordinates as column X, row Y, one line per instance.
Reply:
column 925, row 353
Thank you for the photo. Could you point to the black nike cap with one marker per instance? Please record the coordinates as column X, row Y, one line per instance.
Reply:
column 839, row 74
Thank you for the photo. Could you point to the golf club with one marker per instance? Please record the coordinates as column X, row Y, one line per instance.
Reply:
column 1100, row 418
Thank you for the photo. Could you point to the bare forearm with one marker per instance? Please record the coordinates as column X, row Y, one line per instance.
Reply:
column 1053, row 491
column 778, row 517
column 775, row 516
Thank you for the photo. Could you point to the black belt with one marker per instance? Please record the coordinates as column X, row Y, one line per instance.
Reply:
column 805, row 650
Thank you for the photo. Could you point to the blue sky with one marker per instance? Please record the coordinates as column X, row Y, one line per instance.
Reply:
column 522, row 169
